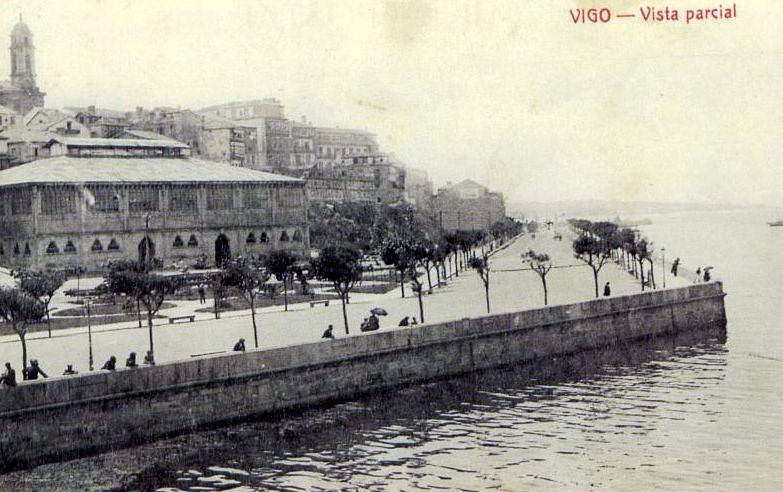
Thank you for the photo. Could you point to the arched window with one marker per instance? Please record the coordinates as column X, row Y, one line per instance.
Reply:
column 284, row 236
column 192, row 242
column 16, row 249
column 178, row 242
column 2, row 250
column 264, row 237
column 298, row 236
column 27, row 249
column 70, row 248
column 113, row 246
column 96, row 245
column 52, row 249
column 251, row 238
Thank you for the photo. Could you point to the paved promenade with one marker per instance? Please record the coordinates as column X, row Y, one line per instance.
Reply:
column 462, row 297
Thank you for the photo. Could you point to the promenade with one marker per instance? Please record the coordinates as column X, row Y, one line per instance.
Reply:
column 510, row 289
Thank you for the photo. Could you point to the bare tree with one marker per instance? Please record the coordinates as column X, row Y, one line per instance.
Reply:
column 42, row 286
column 341, row 266
column 541, row 264
column 249, row 280
column 481, row 265
column 18, row 309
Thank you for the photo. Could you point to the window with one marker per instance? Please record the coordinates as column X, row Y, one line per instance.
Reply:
column 298, row 236
column 113, row 246
column 178, row 242
column 182, row 199
column 264, row 237
column 2, row 250
column 290, row 198
column 96, row 245
column 107, row 199
column 256, row 198
column 143, row 200
column 58, row 201
column 21, row 202
column 192, row 242
column 284, row 236
column 16, row 249
column 251, row 238
column 70, row 248
column 220, row 198
column 27, row 249
column 52, row 249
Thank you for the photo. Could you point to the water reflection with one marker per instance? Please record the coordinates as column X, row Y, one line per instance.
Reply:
column 587, row 419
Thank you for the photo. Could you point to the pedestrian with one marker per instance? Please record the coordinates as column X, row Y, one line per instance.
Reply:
column 414, row 322
column 149, row 358
column 405, row 321
column 373, row 323
column 698, row 274
column 607, row 290
column 110, row 365
column 69, row 370
column 31, row 373
column 706, row 275
column 202, row 294
column 328, row 333
column 365, row 325
column 240, row 345
column 131, row 360
column 9, row 376
column 675, row 266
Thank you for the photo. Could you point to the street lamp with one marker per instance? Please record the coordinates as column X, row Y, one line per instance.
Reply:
column 89, row 333
column 663, row 265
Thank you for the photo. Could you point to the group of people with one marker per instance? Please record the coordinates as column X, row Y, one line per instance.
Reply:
column 408, row 321
column 29, row 373
column 370, row 324
column 130, row 362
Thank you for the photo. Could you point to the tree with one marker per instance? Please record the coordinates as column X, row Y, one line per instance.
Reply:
column 402, row 255
column 136, row 281
column 417, row 287
column 541, row 264
column 341, row 266
column 42, row 286
column 593, row 252
column 481, row 265
column 18, row 308
column 281, row 264
column 643, row 252
column 248, row 279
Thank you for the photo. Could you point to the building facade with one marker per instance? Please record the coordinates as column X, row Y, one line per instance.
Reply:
column 21, row 93
column 65, row 212
column 333, row 144
column 359, row 178
column 468, row 206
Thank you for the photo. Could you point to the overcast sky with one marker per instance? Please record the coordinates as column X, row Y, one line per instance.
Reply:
column 511, row 94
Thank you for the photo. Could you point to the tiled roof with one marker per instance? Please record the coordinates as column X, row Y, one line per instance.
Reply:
column 16, row 134
column 82, row 170
column 119, row 142
column 147, row 135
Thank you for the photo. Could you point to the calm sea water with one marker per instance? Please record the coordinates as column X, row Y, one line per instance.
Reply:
column 696, row 413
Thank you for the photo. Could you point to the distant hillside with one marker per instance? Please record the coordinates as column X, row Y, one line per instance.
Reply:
column 611, row 209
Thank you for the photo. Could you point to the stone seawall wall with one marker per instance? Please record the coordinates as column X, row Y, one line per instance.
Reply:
column 59, row 418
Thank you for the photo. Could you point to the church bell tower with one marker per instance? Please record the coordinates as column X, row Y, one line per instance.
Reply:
column 22, row 57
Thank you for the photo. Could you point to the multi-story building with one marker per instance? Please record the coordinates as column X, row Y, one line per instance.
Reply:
column 245, row 110
column 468, row 206
column 55, row 121
column 332, row 144
column 68, row 211
column 418, row 188
column 303, row 153
column 359, row 178
column 230, row 141
column 103, row 123
column 183, row 125
column 8, row 118
column 21, row 93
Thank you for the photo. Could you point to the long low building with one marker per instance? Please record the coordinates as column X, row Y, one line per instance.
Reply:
column 65, row 212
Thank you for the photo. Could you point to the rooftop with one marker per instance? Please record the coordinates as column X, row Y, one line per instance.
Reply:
column 83, row 170
column 5, row 110
column 118, row 142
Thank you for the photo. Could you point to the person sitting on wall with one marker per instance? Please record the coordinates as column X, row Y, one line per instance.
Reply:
column 9, row 376
column 607, row 290
column 31, row 373
column 414, row 322
column 110, row 365
column 131, row 360
column 707, row 275
column 373, row 323
column 240, row 345
column 405, row 321
column 328, row 333
column 365, row 325
column 149, row 359
column 69, row 370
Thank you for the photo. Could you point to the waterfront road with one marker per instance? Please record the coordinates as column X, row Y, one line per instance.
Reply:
column 510, row 289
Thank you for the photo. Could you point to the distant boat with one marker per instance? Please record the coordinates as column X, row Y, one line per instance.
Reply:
column 778, row 223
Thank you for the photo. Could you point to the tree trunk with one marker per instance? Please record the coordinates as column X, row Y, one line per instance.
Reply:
column 641, row 273
column 437, row 272
column 402, row 283
column 217, row 297
column 595, row 280
column 429, row 279
column 149, row 324
column 486, row 293
column 24, row 353
column 546, row 293
column 345, row 313
column 48, row 321
column 285, row 291
column 651, row 275
column 138, row 311
column 253, row 316
column 421, row 308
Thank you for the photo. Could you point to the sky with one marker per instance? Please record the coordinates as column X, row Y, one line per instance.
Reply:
column 512, row 94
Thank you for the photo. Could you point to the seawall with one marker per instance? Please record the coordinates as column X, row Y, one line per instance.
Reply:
column 60, row 418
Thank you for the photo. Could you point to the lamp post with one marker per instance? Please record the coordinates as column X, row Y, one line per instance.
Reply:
column 663, row 265
column 89, row 333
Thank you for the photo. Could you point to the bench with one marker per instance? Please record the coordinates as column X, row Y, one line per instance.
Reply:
column 313, row 303
column 174, row 319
